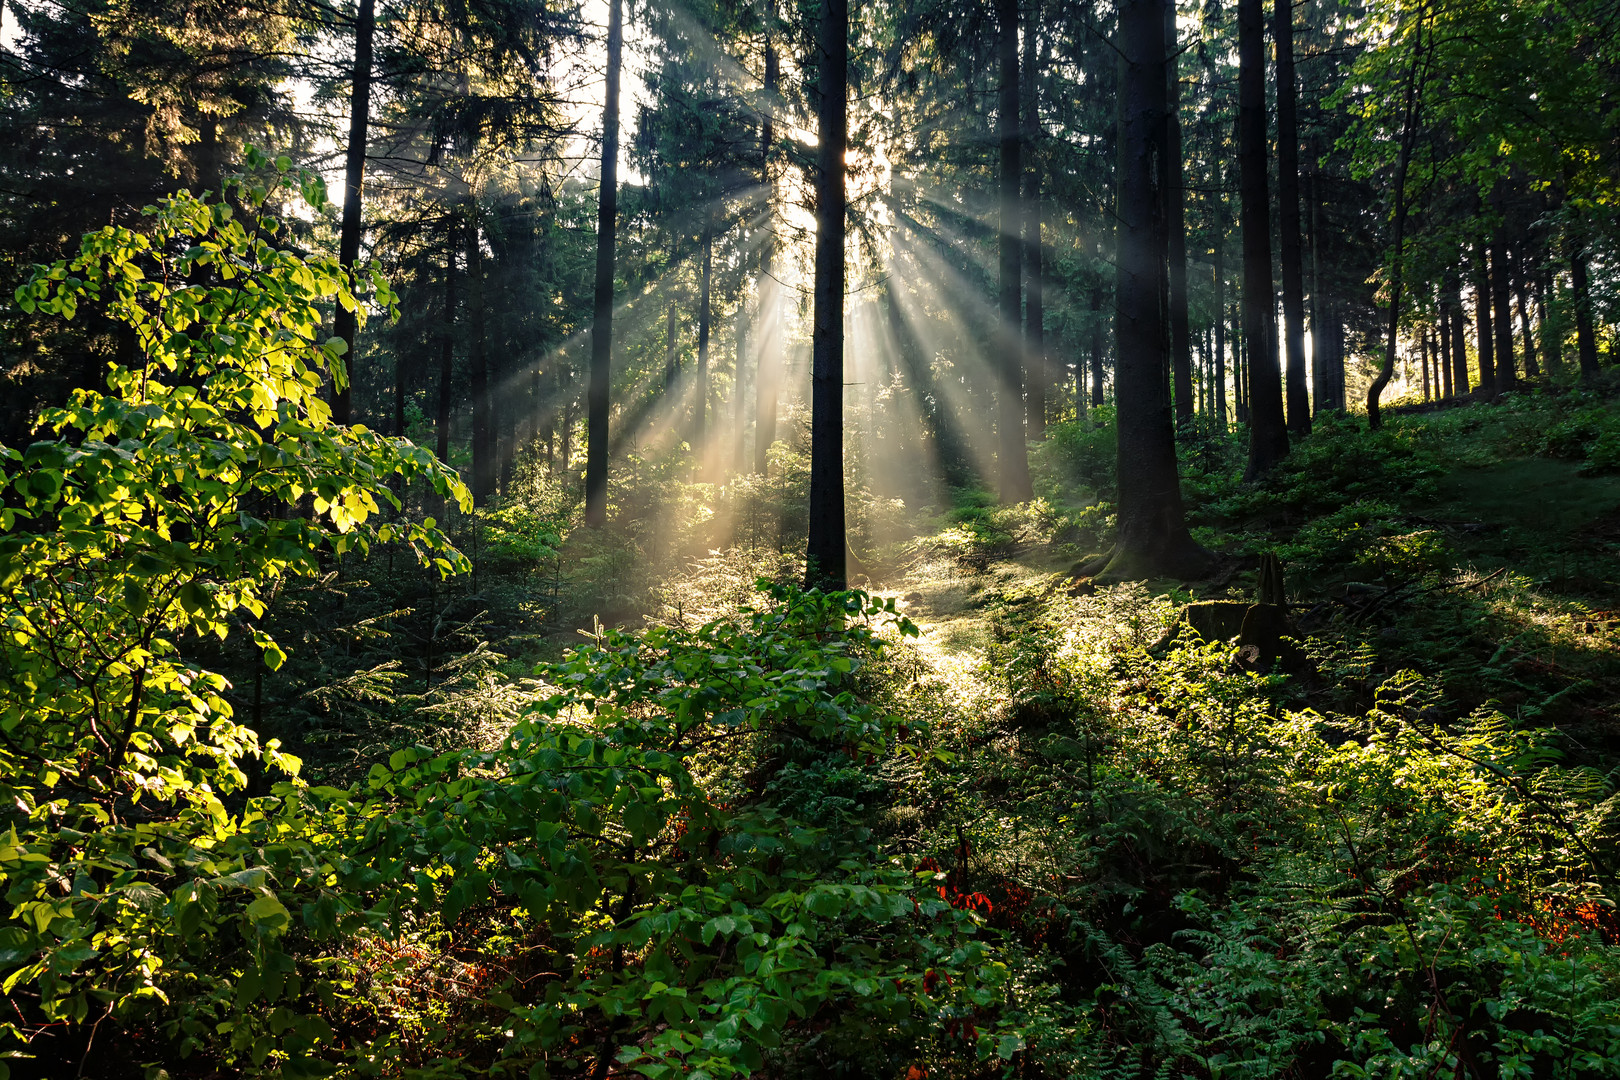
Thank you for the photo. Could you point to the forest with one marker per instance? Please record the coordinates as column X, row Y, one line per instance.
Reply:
column 796, row 538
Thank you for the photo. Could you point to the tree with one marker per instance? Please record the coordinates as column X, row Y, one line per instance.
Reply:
column 607, row 217
column 1013, row 455
column 1268, row 432
column 345, row 323
column 1153, row 537
column 824, row 557
column 1288, row 231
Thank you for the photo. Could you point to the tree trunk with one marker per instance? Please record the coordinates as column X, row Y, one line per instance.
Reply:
column 672, row 360
column 1153, row 537
column 1443, row 358
column 770, row 348
column 344, row 320
column 1585, row 339
column 483, row 433
column 824, row 555
column 1288, row 238
column 1220, row 327
column 1268, row 433
column 607, row 224
column 1502, row 314
column 739, row 388
column 447, row 344
column 1013, row 464
column 1037, row 377
column 1409, row 127
column 700, row 408
column 1176, row 223
column 1552, row 345
column 1521, row 274
column 1096, row 345
column 1484, row 343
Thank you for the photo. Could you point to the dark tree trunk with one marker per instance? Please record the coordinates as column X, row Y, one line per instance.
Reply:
column 1288, row 238
column 1551, row 346
column 1423, row 363
column 1459, row 349
column 1484, row 343
column 739, row 389
column 1240, row 381
column 344, row 320
column 770, row 348
column 700, row 407
column 1521, row 283
column 1153, row 537
column 1176, row 223
column 1037, row 376
column 1502, row 315
column 607, row 224
column 483, row 433
column 1013, row 464
column 1096, row 346
column 825, row 562
column 1268, row 432
column 1220, row 328
column 1409, row 126
column 672, row 359
column 1585, row 339
column 1443, row 357
column 447, row 344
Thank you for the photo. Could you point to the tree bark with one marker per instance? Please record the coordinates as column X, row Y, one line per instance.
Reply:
column 345, row 323
column 1403, row 161
column 1037, row 376
column 739, row 388
column 1288, row 233
column 1484, row 343
column 1552, row 347
column 447, row 343
column 1176, row 223
column 1220, row 327
column 1153, row 536
column 483, row 433
column 1013, row 463
column 1521, row 285
column 1268, row 432
column 1585, row 339
column 607, row 223
column 1096, row 345
column 825, row 552
column 770, row 358
column 672, row 360
column 700, row 408
column 1502, row 314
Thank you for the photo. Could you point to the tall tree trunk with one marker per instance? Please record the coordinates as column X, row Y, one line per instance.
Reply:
column 1409, row 126
column 770, row 348
column 1585, row 339
column 1502, row 314
column 1240, row 378
column 483, row 433
column 1552, row 345
column 1176, row 224
column 1220, row 326
column 1153, row 536
column 344, row 320
column 1096, row 345
column 700, row 408
column 672, row 359
column 739, row 388
column 1484, row 342
column 607, row 224
column 824, row 556
column 1037, row 375
column 1521, row 283
column 1268, row 433
column 1013, row 464
column 1288, row 238
column 447, row 343
column 1443, row 360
